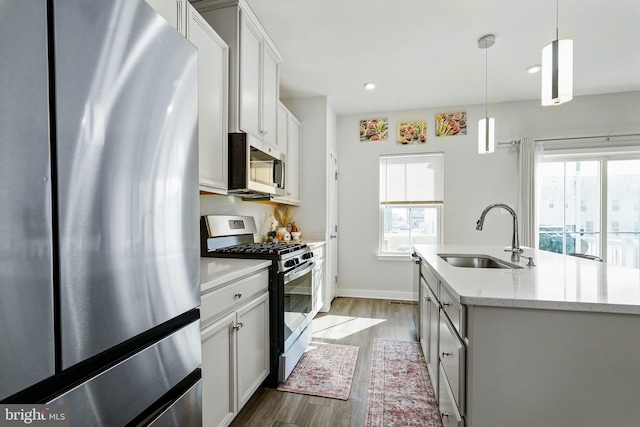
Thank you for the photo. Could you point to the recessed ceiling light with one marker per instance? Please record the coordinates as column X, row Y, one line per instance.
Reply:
column 534, row 69
column 369, row 86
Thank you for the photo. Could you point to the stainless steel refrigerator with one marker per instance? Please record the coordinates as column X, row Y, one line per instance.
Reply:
column 99, row 244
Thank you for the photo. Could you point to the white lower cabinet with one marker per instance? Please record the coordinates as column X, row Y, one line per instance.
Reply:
column 317, row 292
column 452, row 361
column 253, row 347
column 448, row 409
column 429, row 328
column 235, row 346
column 218, row 371
column 442, row 320
column 424, row 320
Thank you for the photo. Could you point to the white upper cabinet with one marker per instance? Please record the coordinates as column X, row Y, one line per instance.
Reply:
column 254, row 63
column 270, row 95
column 213, row 90
column 250, row 84
column 294, row 133
column 282, row 128
column 213, row 65
column 289, row 142
column 171, row 10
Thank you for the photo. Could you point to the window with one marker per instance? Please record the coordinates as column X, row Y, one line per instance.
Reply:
column 411, row 198
column 600, row 217
column 583, row 205
column 615, row 206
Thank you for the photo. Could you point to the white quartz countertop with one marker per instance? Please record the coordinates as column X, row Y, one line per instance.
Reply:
column 557, row 282
column 314, row 243
column 218, row 271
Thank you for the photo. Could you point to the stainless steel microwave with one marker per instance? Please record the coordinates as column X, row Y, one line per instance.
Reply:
column 255, row 168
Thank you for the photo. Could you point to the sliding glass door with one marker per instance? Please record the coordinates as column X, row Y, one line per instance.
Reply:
column 569, row 212
column 623, row 212
column 591, row 206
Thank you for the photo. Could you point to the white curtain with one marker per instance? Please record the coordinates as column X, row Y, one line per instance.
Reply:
column 529, row 157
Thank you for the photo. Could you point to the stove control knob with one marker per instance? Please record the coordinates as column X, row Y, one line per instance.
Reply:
column 307, row 255
column 289, row 263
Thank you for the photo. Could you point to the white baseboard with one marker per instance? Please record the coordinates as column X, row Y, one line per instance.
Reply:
column 365, row 293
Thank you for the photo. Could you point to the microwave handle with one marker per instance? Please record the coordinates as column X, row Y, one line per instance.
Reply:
column 278, row 173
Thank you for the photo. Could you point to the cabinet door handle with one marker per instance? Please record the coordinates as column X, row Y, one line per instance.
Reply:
column 238, row 326
column 445, row 354
column 427, row 299
column 238, row 295
column 445, row 304
column 444, row 415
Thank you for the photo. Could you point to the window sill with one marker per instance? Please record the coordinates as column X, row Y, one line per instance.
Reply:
column 393, row 257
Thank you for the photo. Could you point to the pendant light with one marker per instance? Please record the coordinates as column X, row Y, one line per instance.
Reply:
column 557, row 70
column 486, row 126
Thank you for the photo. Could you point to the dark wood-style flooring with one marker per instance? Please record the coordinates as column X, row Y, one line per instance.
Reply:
column 351, row 321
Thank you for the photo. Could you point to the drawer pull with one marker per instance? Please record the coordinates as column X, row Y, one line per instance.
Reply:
column 238, row 326
column 238, row 295
column 445, row 354
column 444, row 304
column 445, row 415
column 427, row 299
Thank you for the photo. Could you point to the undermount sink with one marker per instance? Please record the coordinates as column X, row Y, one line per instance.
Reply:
column 476, row 261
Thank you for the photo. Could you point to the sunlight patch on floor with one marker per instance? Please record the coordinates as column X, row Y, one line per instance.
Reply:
column 337, row 327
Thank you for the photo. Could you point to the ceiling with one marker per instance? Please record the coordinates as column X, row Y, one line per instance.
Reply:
column 424, row 54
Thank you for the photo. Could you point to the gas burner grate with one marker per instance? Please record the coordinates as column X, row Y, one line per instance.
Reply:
column 262, row 248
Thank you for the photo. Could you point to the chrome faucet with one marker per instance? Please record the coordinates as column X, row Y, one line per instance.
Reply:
column 515, row 242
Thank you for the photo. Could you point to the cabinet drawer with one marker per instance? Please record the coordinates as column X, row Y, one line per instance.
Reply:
column 454, row 310
column 222, row 299
column 429, row 278
column 448, row 411
column 452, row 360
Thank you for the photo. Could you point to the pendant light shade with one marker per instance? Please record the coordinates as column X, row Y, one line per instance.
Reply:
column 486, row 126
column 557, row 70
column 486, row 135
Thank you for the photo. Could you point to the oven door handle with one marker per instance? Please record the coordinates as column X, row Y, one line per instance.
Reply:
column 298, row 273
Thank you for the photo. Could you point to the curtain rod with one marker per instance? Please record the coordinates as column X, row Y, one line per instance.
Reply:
column 515, row 142
column 589, row 137
column 512, row 142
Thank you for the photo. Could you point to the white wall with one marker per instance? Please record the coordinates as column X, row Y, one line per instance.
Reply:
column 472, row 181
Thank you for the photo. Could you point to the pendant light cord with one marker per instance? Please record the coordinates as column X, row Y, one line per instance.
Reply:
column 486, row 83
column 557, row 21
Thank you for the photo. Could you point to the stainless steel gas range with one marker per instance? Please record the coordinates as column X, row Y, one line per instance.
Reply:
column 290, row 284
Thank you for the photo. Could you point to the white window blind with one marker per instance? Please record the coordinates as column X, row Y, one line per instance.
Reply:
column 417, row 178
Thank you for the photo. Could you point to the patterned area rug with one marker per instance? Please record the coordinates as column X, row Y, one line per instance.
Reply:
column 400, row 390
column 324, row 370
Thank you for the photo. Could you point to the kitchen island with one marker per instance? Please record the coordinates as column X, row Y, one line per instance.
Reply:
column 556, row 344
